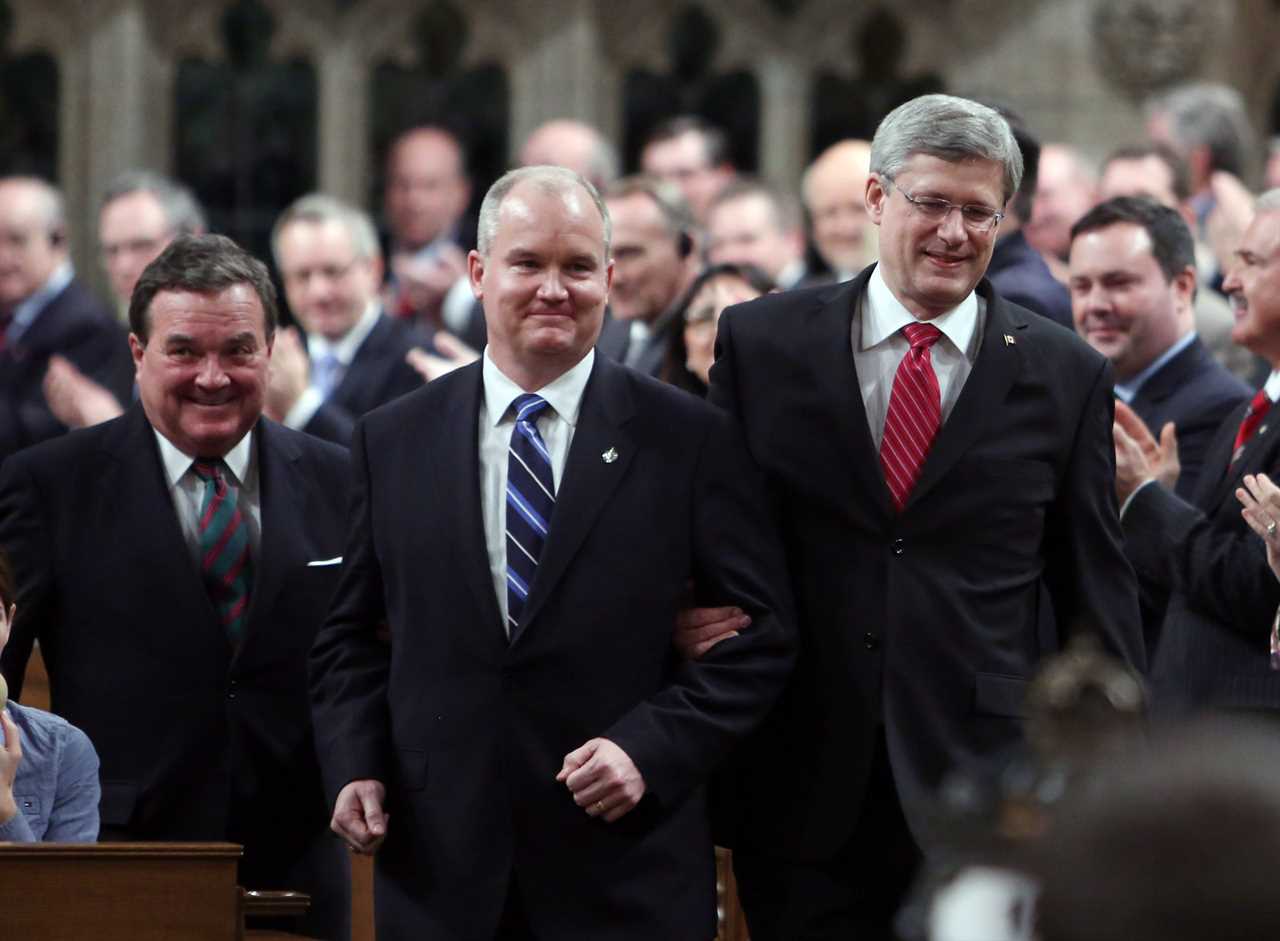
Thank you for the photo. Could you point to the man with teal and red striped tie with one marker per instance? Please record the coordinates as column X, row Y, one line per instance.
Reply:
column 174, row 565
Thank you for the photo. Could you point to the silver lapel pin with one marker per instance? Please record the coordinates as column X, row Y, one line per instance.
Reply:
column 1009, row 341
column 609, row 456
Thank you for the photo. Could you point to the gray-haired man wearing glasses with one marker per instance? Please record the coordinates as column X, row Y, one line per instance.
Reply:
column 941, row 466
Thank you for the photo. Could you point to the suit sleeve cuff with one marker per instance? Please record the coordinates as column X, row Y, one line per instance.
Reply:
column 1124, row 507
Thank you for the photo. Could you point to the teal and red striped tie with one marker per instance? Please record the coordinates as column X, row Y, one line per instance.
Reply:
column 224, row 547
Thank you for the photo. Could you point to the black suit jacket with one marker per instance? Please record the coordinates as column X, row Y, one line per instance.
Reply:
column 378, row 373
column 1213, row 650
column 197, row 741
column 78, row 326
column 1195, row 393
column 1020, row 276
column 929, row 623
column 468, row 731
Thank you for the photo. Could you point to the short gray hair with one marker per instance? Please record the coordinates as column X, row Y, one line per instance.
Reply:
column 181, row 209
column 318, row 208
column 52, row 205
column 556, row 181
column 949, row 128
column 1213, row 116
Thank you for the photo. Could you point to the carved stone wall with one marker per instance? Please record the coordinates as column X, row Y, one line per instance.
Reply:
column 1074, row 68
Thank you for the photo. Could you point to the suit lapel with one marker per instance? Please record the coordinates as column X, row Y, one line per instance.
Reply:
column 830, row 349
column 356, row 375
column 455, row 460
column 589, row 478
column 1169, row 378
column 994, row 371
column 140, row 491
column 281, row 499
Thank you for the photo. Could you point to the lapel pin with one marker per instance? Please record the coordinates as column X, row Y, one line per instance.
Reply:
column 1009, row 341
column 609, row 456
column 1262, row 430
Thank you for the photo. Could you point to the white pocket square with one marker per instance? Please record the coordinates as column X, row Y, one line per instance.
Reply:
column 337, row 560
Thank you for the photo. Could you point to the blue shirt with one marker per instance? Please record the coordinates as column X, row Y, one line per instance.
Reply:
column 56, row 788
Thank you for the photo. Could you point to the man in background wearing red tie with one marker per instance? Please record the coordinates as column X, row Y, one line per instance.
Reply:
column 940, row 463
column 1214, row 645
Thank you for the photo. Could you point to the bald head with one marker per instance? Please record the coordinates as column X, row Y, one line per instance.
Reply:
column 1066, row 188
column 833, row 189
column 32, row 236
column 427, row 187
column 575, row 146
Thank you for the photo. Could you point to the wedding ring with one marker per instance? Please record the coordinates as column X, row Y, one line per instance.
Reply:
column 1271, row 528
column 600, row 804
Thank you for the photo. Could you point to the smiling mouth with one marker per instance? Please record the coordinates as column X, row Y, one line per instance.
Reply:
column 946, row 261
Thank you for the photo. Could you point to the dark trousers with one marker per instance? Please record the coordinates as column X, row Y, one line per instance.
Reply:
column 853, row 896
column 514, row 925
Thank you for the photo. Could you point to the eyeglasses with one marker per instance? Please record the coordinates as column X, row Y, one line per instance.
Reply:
column 976, row 217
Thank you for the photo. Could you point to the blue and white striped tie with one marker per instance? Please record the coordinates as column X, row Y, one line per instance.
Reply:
column 531, row 497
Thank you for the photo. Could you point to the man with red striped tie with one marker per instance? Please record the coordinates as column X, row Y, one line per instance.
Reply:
column 940, row 464
column 1216, row 643
column 174, row 565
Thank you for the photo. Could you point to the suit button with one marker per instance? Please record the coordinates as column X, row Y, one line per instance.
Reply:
column 231, row 690
column 870, row 640
column 898, row 547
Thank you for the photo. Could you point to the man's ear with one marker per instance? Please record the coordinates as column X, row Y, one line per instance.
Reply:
column 876, row 194
column 1184, row 282
column 475, row 273
column 137, row 348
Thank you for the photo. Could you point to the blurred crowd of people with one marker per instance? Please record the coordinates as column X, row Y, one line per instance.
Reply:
column 1105, row 578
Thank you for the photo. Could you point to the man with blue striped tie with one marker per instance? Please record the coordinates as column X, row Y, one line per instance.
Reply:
column 528, row 746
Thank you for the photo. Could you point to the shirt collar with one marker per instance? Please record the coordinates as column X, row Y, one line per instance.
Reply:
column 344, row 350
column 884, row 315
column 1272, row 387
column 26, row 311
column 563, row 394
column 1127, row 390
column 177, row 462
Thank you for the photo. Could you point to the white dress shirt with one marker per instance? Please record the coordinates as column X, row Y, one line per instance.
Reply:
column 344, row 351
column 497, row 421
column 879, row 345
column 187, row 490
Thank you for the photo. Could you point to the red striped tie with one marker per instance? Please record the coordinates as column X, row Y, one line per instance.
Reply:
column 1252, row 419
column 915, row 412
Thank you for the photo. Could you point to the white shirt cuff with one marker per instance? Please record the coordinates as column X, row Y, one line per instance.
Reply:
column 304, row 409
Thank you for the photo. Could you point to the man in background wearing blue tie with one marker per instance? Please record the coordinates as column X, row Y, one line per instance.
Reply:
column 527, row 745
column 350, row 357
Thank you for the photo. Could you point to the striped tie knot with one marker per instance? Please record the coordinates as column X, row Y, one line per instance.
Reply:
column 529, row 406
column 921, row 335
column 209, row 470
